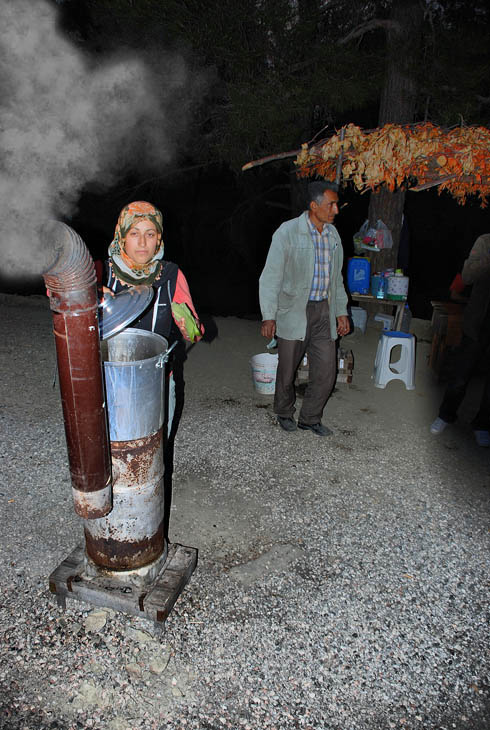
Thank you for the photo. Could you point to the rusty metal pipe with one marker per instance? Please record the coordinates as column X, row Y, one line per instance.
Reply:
column 72, row 285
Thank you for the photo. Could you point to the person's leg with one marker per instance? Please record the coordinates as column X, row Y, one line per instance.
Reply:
column 459, row 368
column 322, row 363
column 290, row 353
column 178, row 387
column 481, row 422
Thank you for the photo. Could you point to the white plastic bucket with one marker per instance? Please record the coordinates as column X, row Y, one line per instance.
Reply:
column 264, row 372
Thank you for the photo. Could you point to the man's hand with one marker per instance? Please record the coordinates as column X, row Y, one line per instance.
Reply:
column 343, row 325
column 268, row 328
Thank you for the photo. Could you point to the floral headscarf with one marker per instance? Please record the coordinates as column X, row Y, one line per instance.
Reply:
column 124, row 268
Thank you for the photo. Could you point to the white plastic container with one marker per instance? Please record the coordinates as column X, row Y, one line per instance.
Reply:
column 264, row 369
column 386, row 319
column 359, row 318
column 397, row 288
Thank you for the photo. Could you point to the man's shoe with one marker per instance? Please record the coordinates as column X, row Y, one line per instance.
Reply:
column 317, row 428
column 482, row 438
column 438, row 426
column 288, row 424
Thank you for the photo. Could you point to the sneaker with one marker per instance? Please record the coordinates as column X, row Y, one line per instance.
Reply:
column 482, row 438
column 317, row 428
column 288, row 424
column 438, row 426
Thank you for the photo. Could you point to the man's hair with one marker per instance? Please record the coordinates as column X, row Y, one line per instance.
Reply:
column 317, row 189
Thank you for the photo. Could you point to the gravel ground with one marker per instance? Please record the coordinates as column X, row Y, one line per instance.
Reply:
column 342, row 582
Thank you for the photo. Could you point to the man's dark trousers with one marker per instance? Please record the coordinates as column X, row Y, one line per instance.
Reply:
column 322, row 364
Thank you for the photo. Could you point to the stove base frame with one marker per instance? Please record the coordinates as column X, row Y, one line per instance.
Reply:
column 153, row 602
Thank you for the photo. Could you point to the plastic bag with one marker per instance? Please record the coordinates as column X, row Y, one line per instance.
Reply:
column 383, row 236
column 365, row 232
column 372, row 239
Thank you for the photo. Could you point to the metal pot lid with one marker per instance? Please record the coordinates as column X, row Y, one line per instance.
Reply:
column 116, row 312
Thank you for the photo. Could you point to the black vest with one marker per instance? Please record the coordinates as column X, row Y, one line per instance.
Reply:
column 157, row 317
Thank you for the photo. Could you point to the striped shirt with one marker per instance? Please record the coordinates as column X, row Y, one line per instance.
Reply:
column 321, row 272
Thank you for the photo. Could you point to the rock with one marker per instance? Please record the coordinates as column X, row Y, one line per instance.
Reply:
column 134, row 670
column 157, row 666
column 142, row 637
column 95, row 621
column 89, row 695
column 118, row 723
column 159, row 662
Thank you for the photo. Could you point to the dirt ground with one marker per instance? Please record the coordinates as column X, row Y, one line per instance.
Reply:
column 359, row 560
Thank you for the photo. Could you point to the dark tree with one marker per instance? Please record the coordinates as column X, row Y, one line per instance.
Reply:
column 398, row 105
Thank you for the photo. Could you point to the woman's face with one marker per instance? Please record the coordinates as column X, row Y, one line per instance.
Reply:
column 141, row 242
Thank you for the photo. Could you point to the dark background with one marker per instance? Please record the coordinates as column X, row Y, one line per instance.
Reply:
column 218, row 221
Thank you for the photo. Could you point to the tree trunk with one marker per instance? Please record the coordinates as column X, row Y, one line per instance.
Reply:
column 397, row 105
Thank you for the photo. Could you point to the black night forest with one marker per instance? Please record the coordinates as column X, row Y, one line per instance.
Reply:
column 226, row 83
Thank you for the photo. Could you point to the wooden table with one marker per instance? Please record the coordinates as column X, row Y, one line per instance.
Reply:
column 371, row 300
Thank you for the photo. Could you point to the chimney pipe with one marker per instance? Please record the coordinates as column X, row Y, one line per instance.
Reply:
column 72, row 286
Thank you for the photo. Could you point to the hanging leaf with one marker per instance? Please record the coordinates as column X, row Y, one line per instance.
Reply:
column 419, row 156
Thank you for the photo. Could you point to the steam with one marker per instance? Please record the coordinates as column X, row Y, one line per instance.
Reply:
column 65, row 122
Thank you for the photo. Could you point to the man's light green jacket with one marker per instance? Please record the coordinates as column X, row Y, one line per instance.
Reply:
column 285, row 283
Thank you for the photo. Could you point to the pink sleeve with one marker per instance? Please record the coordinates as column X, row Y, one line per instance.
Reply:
column 182, row 295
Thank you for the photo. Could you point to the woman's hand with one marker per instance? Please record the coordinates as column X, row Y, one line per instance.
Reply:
column 106, row 290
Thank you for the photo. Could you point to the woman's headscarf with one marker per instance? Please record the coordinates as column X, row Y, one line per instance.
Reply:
column 124, row 268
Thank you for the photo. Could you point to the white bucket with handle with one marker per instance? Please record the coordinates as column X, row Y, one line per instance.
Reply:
column 264, row 368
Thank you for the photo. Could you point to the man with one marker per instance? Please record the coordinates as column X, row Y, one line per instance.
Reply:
column 476, row 340
column 304, row 305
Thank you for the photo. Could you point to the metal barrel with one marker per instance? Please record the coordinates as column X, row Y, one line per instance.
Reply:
column 132, row 535
column 72, row 285
column 133, row 371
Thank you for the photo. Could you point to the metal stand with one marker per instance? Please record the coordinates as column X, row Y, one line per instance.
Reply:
column 153, row 601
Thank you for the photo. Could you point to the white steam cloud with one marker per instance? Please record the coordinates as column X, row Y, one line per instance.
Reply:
column 65, row 121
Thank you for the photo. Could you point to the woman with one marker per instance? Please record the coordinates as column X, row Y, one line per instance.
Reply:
column 136, row 258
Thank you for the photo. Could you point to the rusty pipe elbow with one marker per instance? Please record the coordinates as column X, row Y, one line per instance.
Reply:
column 72, row 283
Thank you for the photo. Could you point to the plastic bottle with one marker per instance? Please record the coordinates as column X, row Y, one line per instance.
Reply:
column 381, row 290
column 406, row 319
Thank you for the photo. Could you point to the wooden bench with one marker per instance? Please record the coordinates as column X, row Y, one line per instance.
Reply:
column 447, row 330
